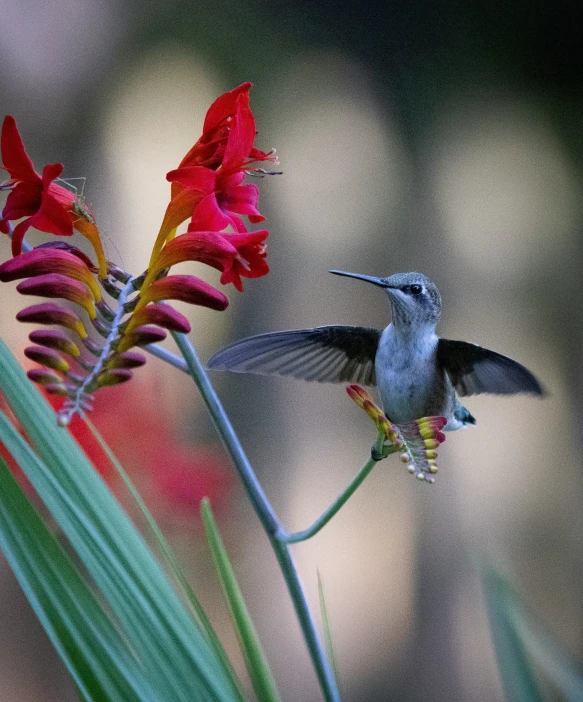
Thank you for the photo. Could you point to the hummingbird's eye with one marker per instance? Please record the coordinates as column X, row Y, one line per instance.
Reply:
column 416, row 289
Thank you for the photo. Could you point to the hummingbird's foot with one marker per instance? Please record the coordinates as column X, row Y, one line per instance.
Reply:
column 377, row 455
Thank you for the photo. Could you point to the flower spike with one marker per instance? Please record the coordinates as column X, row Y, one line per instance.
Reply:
column 126, row 312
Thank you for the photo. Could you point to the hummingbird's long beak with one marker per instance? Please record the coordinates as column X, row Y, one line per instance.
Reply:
column 381, row 282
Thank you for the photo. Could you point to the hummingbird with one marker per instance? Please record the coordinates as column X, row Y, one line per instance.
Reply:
column 417, row 373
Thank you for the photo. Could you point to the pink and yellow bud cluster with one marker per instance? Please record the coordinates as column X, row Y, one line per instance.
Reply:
column 416, row 441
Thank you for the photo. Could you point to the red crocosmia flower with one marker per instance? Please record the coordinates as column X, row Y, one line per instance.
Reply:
column 246, row 255
column 183, row 475
column 250, row 259
column 215, row 167
column 224, row 200
column 209, row 149
column 174, row 473
column 46, row 205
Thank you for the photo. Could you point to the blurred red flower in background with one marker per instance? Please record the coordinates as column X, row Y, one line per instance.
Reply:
column 172, row 473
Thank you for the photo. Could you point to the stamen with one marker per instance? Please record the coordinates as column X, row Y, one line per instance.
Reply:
column 261, row 172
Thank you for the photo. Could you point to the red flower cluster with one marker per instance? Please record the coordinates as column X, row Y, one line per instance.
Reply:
column 207, row 187
column 45, row 205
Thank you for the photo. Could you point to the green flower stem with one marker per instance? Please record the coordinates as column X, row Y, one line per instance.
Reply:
column 321, row 522
column 168, row 356
column 266, row 514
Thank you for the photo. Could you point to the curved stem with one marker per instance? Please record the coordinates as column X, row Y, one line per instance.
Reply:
column 168, row 356
column 357, row 481
column 266, row 514
column 228, row 436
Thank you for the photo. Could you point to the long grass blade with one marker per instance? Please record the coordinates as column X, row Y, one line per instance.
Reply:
column 159, row 629
column 173, row 563
column 257, row 666
column 326, row 627
column 516, row 666
column 87, row 640
column 556, row 664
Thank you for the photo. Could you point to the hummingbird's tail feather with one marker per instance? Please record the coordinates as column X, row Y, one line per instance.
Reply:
column 462, row 415
column 333, row 354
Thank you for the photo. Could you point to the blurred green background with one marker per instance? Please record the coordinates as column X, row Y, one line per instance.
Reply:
column 442, row 137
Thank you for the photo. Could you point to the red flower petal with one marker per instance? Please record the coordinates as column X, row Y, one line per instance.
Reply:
column 194, row 178
column 14, row 156
column 18, row 235
column 250, row 261
column 223, row 107
column 241, row 136
column 208, row 215
column 243, row 200
column 52, row 217
column 23, row 201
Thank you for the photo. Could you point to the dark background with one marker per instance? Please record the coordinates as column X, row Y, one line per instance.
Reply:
column 444, row 137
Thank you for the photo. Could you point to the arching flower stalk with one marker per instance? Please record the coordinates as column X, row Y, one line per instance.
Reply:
column 94, row 348
column 416, row 441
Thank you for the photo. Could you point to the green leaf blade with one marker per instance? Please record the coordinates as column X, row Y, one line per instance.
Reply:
column 86, row 639
column 257, row 666
column 516, row 667
column 160, row 630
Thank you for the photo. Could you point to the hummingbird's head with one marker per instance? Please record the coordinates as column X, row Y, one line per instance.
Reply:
column 415, row 299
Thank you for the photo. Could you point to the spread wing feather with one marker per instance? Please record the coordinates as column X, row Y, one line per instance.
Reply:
column 332, row 354
column 474, row 370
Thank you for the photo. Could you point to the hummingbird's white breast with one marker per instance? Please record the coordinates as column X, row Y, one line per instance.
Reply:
column 407, row 374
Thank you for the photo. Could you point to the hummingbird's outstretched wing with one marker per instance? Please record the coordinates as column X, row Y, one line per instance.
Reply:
column 333, row 354
column 473, row 369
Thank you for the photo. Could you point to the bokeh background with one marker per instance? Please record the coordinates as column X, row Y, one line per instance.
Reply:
column 435, row 136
